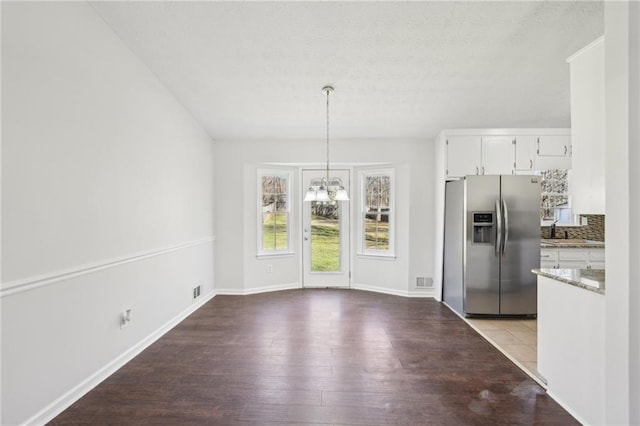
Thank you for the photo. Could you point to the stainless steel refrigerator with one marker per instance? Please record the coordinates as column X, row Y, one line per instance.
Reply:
column 492, row 241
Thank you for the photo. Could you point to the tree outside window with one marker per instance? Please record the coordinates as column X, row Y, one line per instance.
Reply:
column 377, row 213
column 274, row 212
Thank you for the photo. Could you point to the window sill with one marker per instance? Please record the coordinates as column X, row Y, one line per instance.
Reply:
column 377, row 256
column 274, row 255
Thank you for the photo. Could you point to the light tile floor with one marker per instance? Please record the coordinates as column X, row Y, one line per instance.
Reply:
column 516, row 338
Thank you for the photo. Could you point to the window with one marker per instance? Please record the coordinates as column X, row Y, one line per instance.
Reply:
column 555, row 203
column 273, row 212
column 377, row 213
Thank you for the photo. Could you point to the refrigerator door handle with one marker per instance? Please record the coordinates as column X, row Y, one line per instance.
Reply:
column 498, row 227
column 506, row 225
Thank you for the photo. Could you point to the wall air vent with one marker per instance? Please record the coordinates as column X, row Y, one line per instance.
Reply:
column 424, row 282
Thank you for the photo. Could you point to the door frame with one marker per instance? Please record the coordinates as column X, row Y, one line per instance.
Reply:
column 349, row 217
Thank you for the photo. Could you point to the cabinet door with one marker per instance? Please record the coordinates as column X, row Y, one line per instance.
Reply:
column 497, row 155
column 463, row 155
column 573, row 258
column 588, row 130
column 548, row 258
column 554, row 146
column 553, row 152
column 596, row 259
column 525, row 153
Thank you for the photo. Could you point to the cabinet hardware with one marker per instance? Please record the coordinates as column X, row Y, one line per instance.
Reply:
column 531, row 164
column 538, row 150
column 482, row 169
column 476, row 169
column 565, row 150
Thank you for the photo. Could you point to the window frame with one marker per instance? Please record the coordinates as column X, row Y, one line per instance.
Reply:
column 282, row 173
column 362, row 247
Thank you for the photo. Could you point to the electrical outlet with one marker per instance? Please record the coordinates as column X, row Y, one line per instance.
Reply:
column 269, row 268
column 125, row 318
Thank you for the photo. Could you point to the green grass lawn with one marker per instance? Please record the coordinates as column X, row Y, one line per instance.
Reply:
column 325, row 244
column 325, row 239
column 274, row 232
column 376, row 235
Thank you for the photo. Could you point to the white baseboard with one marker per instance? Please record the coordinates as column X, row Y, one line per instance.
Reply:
column 256, row 290
column 566, row 407
column 394, row 292
column 291, row 286
column 422, row 293
column 66, row 400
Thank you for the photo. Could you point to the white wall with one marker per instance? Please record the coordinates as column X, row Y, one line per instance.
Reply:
column 107, row 204
column 622, row 367
column 238, row 270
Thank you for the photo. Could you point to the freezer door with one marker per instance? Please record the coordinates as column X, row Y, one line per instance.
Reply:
column 521, row 244
column 482, row 268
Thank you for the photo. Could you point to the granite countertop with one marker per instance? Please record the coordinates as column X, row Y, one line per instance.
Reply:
column 588, row 279
column 570, row 243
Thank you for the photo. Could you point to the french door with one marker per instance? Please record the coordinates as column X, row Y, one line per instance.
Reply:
column 325, row 236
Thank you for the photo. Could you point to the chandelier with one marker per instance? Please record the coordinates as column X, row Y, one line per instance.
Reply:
column 325, row 188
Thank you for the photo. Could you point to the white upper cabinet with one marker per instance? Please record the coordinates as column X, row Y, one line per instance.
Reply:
column 554, row 146
column 479, row 155
column 463, row 156
column 553, row 152
column 587, row 128
column 504, row 151
column 497, row 155
column 525, row 152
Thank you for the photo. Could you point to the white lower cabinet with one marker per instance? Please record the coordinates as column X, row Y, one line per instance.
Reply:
column 548, row 258
column 568, row 258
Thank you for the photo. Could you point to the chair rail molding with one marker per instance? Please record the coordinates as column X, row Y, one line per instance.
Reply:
column 30, row 283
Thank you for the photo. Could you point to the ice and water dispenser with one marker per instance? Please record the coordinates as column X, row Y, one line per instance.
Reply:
column 483, row 228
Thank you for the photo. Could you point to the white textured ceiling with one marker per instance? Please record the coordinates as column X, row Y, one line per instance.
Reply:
column 254, row 70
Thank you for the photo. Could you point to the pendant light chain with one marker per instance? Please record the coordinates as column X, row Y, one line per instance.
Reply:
column 328, row 92
column 320, row 191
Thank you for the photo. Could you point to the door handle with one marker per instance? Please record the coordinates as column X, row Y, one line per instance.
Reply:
column 506, row 225
column 498, row 227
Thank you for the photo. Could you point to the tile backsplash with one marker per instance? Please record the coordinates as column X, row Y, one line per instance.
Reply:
column 593, row 231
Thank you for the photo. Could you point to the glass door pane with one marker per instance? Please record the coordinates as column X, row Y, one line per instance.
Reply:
column 325, row 236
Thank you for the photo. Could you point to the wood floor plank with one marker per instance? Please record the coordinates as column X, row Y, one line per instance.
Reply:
column 310, row 357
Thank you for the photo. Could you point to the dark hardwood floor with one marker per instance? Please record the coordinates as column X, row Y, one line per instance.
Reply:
column 319, row 357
